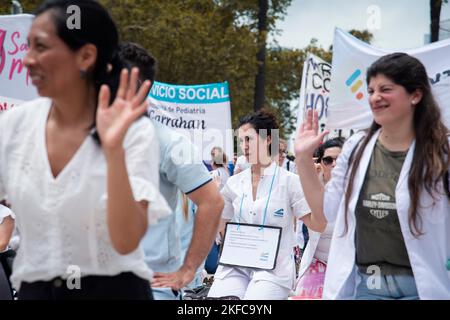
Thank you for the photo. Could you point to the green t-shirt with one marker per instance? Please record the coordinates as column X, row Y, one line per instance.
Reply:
column 379, row 239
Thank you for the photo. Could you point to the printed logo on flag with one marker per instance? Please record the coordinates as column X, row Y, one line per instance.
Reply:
column 355, row 83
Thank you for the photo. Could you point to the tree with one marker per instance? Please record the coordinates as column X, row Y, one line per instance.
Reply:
column 261, row 56
column 204, row 41
column 27, row 5
column 194, row 42
column 435, row 18
column 363, row 35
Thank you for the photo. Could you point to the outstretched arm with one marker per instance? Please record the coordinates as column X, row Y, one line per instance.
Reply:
column 127, row 219
column 307, row 141
column 210, row 204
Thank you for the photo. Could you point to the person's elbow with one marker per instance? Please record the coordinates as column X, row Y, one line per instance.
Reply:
column 124, row 246
column 214, row 205
column 319, row 227
column 3, row 244
column 4, row 240
column 6, row 230
column 315, row 223
column 126, row 239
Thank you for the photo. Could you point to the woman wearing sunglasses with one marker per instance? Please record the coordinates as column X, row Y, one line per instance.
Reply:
column 328, row 153
column 387, row 192
column 315, row 256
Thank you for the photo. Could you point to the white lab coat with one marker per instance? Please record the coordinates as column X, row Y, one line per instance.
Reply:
column 428, row 254
column 287, row 195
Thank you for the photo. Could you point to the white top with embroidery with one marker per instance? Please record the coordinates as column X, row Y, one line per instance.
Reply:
column 62, row 220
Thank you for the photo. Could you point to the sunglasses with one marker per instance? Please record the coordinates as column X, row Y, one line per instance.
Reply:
column 328, row 161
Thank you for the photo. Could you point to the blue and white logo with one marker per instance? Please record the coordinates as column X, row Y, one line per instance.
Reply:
column 264, row 256
column 279, row 213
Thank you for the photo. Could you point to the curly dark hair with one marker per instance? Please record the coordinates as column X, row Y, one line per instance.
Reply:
column 136, row 55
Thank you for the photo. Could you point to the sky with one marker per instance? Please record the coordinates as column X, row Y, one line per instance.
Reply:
column 402, row 23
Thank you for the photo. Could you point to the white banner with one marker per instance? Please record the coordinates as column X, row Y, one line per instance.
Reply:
column 348, row 106
column 315, row 92
column 15, row 84
column 200, row 112
column 315, row 89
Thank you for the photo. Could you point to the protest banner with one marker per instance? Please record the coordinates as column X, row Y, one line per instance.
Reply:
column 314, row 93
column 315, row 89
column 200, row 112
column 348, row 106
column 15, row 83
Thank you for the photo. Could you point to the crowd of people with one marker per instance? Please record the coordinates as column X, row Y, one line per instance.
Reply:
column 94, row 204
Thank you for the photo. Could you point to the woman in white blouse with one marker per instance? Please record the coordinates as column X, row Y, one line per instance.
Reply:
column 264, row 195
column 80, row 170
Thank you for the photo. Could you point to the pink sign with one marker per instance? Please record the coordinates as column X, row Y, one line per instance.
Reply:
column 15, row 84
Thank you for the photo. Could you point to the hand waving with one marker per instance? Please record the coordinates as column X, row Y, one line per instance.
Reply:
column 308, row 139
column 113, row 121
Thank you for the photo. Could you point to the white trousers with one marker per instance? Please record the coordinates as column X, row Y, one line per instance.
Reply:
column 241, row 284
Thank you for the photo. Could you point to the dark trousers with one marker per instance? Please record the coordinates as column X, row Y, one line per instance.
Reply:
column 125, row 286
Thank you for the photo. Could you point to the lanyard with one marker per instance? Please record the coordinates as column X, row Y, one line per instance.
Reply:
column 267, row 202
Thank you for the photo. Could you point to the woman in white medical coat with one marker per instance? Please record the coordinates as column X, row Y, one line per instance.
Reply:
column 407, row 132
column 262, row 195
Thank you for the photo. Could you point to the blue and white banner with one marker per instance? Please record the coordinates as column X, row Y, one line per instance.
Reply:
column 15, row 83
column 348, row 106
column 200, row 112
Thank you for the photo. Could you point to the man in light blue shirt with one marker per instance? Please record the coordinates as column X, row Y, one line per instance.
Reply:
column 162, row 242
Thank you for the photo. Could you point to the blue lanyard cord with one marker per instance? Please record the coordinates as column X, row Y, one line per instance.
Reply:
column 267, row 203
column 240, row 211
column 268, row 198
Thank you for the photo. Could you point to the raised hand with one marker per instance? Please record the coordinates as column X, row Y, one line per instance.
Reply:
column 113, row 121
column 308, row 139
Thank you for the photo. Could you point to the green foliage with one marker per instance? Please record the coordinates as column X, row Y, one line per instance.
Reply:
column 28, row 6
column 194, row 42
column 204, row 41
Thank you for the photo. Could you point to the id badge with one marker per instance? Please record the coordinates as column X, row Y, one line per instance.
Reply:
column 250, row 245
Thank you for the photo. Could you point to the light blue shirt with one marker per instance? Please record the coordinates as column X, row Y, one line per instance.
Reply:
column 185, row 230
column 161, row 243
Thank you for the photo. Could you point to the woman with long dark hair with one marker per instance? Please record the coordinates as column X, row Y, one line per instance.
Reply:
column 387, row 192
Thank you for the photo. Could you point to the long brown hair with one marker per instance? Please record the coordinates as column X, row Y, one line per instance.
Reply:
column 431, row 154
